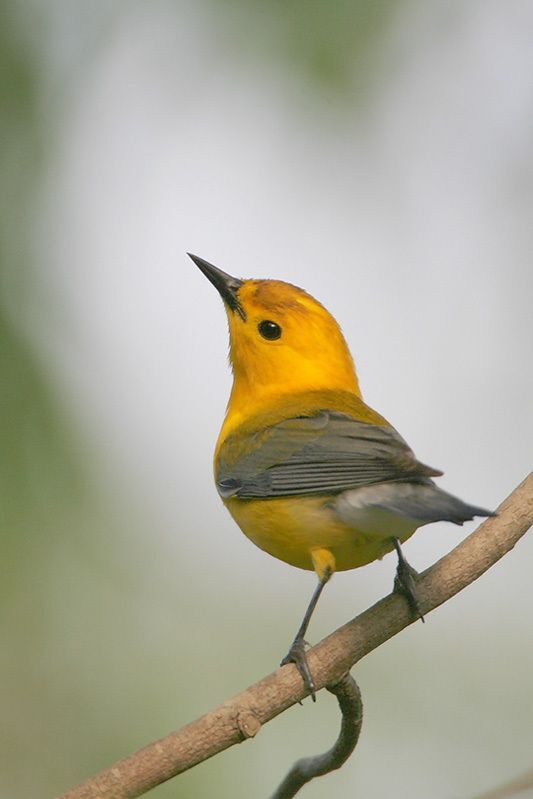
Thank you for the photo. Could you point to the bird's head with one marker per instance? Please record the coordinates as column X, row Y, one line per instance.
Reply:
column 282, row 340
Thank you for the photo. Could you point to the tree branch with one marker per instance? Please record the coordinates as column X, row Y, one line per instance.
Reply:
column 304, row 770
column 241, row 717
column 513, row 788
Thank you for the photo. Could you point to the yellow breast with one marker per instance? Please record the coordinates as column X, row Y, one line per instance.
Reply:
column 292, row 528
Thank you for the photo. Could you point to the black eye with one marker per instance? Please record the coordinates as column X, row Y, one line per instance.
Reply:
column 269, row 330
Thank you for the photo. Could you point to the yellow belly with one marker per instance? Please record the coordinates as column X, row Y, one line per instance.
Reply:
column 291, row 528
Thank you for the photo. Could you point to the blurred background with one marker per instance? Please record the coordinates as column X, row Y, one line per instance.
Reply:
column 378, row 154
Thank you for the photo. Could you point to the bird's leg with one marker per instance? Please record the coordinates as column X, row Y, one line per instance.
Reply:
column 405, row 580
column 296, row 653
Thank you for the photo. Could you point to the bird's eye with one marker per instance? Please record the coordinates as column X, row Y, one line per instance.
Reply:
column 269, row 330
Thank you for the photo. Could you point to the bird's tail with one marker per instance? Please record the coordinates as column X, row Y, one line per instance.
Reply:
column 420, row 502
column 432, row 504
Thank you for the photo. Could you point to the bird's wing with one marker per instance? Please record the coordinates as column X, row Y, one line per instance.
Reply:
column 325, row 453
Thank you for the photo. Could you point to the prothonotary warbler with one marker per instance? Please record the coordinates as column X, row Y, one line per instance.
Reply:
column 309, row 472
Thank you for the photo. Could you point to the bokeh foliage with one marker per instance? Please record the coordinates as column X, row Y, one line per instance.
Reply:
column 40, row 470
column 334, row 49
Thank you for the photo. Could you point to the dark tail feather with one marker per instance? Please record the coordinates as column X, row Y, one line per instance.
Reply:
column 423, row 502
column 466, row 513
column 438, row 505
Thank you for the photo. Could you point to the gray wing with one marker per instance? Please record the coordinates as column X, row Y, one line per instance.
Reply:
column 323, row 454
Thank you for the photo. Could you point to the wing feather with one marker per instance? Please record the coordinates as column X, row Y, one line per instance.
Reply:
column 326, row 453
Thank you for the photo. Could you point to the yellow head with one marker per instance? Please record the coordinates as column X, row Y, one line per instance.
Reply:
column 282, row 340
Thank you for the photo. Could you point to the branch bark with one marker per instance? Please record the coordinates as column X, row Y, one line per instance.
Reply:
column 304, row 770
column 242, row 716
column 513, row 788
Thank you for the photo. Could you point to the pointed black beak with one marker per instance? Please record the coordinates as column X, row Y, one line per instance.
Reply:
column 226, row 285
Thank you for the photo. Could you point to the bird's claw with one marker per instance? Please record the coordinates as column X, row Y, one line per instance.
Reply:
column 296, row 655
column 405, row 583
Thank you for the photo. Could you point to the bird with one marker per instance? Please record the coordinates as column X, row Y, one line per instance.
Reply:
column 308, row 471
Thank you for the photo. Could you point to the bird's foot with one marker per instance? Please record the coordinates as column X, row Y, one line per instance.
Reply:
column 405, row 582
column 296, row 655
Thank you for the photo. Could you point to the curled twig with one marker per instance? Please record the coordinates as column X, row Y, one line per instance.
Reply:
column 304, row 770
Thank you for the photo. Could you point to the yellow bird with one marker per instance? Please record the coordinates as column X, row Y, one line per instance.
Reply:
column 310, row 473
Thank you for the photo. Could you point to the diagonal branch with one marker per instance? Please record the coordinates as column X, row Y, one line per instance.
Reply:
column 241, row 717
column 513, row 788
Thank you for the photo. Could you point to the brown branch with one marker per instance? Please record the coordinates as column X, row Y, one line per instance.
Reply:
column 516, row 786
column 304, row 770
column 241, row 717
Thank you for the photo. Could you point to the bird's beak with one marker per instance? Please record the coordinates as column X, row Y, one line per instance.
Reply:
column 226, row 285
